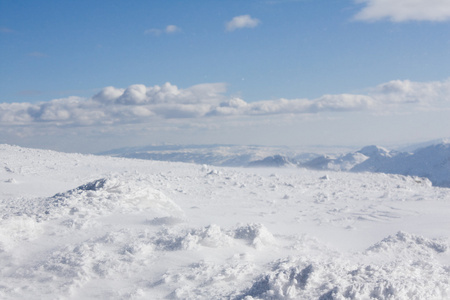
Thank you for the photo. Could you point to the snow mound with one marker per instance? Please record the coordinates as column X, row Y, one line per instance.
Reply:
column 211, row 236
column 208, row 280
column 418, row 275
column 81, row 208
column 66, row 268
column 257, row 235
column 113, row 194
column 402, row 243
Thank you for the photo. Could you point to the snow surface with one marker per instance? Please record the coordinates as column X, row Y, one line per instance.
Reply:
column 92, row 227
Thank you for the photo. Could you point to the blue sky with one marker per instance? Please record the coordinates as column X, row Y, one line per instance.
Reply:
column 207, row 54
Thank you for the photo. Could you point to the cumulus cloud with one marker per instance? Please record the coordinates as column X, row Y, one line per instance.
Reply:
column 335, row 103
column 404, row 10
column 139, row 103
column 344, row 102
column 244, row 21
column 409, row 92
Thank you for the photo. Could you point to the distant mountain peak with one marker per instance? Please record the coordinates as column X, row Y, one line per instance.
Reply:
column 271, row 161
column 432, row 162
column 374, row 150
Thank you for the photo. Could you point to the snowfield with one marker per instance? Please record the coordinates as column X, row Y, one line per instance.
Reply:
column 91, row 227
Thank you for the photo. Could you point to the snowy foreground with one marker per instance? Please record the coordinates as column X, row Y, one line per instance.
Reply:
column 90, row 227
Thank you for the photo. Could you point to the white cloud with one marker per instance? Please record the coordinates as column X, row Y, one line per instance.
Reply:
column 244, row 21
column 409, row 92
column 204, row 114
column 172, row 29
column 108, row 94
column 142, row 104
column 404, row 10
column 343, row 102
column 15, row 113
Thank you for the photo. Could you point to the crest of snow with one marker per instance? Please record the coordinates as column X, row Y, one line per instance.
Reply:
column 256, row 234
column 211, row 236
column 114, row 193
column 404, row 243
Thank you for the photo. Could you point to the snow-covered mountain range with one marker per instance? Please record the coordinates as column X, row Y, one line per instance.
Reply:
column 430, row 160
column 217, row 155
column 95, row 227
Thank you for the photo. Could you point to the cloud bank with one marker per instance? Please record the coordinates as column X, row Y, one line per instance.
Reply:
column 239, row 22
column 140, row 104
column 404, row 10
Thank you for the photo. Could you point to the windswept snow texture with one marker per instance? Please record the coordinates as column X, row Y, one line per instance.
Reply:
column 94, row 227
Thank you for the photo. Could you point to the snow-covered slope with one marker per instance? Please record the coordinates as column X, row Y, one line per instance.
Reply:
column 274, row 161
column 432, row 162
column 93, row 227
column 340, row 163
column 412, row 148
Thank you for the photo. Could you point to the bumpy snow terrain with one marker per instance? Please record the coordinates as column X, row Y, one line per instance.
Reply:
column 92, row 227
